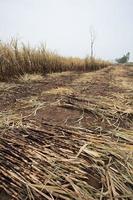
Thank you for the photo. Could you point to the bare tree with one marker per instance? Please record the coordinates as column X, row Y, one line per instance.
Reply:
column 92, row 40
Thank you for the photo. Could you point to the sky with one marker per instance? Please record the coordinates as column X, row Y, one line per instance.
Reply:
column 64, row 25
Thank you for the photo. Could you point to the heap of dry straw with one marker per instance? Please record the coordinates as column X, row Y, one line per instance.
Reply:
column 55, row 162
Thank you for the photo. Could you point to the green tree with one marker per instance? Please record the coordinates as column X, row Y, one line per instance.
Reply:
column 123, row 59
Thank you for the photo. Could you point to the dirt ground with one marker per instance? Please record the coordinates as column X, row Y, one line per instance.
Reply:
column 44, row 100
column 99, row 102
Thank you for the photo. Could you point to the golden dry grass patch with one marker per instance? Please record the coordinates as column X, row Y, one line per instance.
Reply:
column 84, row 78
column 87, row 77
column 10, row 119
column 59, row 91
column 125, row 83
column 33, row 103
column 59, row 74
column 30, row 78
column 122, row 81
column 6, row 86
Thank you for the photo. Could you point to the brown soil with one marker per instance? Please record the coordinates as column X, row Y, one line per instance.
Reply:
column 96, row 87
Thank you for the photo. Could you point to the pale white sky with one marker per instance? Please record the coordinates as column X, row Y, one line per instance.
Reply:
column 64, row 25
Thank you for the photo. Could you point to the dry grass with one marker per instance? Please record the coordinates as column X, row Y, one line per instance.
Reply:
column 6, row 86
column 65, row 163
column 15, row 117
column 30, row 78
column 10, row 119
column 54, row 75
column 17, row 60
column 86, row 78
column 111, row 114
column 124, row 82
column 41, row 160
column 60, row 91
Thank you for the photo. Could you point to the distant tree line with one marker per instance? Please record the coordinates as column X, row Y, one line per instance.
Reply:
column 123, row 59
